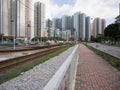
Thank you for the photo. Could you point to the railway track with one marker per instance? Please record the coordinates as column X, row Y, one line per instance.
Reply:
column 11, row 63
column 29, row 48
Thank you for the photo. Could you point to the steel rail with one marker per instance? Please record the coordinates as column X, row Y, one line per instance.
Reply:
column 27, row 48
column 7, row 64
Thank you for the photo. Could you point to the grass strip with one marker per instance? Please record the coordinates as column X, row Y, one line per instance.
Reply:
column 110, row 59
column 14, row 73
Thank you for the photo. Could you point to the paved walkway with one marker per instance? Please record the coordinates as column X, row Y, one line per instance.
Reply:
column 93, row 73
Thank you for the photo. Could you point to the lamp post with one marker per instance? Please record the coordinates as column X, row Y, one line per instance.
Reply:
column 14, row 33
column 40, row 40
column 27, row 34
column 74, row 33
column 2, row 38
column 27, row 31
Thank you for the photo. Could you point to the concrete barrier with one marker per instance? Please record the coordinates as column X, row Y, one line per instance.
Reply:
column 64, row 78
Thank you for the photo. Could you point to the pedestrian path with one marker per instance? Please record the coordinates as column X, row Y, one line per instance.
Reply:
column 94, row 73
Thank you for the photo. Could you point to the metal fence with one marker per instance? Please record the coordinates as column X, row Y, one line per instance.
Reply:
column 64, row 78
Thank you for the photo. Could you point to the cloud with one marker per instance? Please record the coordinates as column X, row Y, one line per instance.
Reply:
column 107, row 9
column 57, row 11
column 98, row 8
column 54, row 10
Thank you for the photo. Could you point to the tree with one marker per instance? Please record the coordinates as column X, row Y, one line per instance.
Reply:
column 92, row 38
column 72, row 39
column 100, row 37
column 113, row 32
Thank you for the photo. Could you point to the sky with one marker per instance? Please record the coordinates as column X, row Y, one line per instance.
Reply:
column 105, row 9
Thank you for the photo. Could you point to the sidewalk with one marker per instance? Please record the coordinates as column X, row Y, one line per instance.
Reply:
column 93, row 73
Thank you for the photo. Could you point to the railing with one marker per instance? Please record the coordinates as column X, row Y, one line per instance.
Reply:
column 64, row 78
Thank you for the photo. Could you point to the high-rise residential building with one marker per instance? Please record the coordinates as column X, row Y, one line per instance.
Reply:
column 87, row 29
column 63, row 23
column 39, row 19
column 52, row 33
column 72, row 26
column 118, row 17
column 27, row 19
column 59, row 23
column 32, row 18
column 103, row 25
column 17, row 18
column 82, row 26
column 94, row 28
column 48, row 29
column 76, row 25
column 98, row 26
column 66, row 25
column 4, row 17
column 79, row 25
column 56, row 26
column 50, row 23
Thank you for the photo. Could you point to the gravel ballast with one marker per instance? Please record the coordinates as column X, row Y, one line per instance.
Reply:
column 38, row 77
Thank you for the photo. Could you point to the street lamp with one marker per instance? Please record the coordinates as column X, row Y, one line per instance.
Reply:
column 14, row 32
column 2, row 38
column 27, row 35
column 74, row 33
column 40, row 40
column 27, row 31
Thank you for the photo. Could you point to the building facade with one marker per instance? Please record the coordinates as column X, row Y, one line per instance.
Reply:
column 39, row 19
column 56, row 27
column 76, row 25
column 72, row 26
column 87, row 29
column 98, row 26
column 66, row 25
column 4, row 17
column 81, row 26
column 103, row 25
column 17, row 18
column 27, row 19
